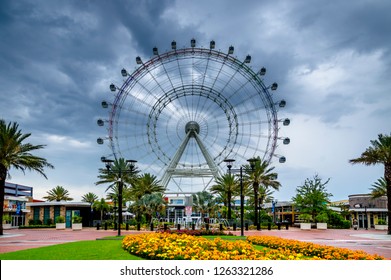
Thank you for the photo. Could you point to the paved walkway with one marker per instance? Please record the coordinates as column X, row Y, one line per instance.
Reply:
column 371, row 241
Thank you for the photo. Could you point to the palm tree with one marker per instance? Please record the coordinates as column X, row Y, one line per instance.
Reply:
column 121, row 171
column 102, row 206
column 204, row 203
column 226, row 186
column 57, row 194
column 145, row 184
column 16, row 154
column 379, row 188
column 379, row 153
column 150, row 204
column 90, row 198
column 261, row 175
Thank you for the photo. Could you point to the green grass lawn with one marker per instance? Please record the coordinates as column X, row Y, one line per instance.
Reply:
column 104, row 249
column 81, row 250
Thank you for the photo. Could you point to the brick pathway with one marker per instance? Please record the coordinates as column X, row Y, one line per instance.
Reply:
column 371, row 241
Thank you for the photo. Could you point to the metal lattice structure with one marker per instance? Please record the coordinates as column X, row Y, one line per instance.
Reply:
column 182, row 112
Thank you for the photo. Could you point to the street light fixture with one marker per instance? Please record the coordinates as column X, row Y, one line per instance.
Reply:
column 229, row 163
column 109, row 166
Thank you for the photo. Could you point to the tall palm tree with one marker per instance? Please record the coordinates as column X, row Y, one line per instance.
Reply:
column 121, row 171
column 101, row 206
column 379, row 188
column 145, row 184
column 57, row 194
column 379, row 153
column 149, row 204
column 227, row 186
column 261, row 175
column 204, row 203
column 14, row 153
column 89, row 197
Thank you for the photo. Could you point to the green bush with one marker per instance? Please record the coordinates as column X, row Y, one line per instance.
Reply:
column 7, row 219
column 60, row 219
column 381, row 222
column 35, row 222
column 322, row 218
column 306, row 218
column 77, row 219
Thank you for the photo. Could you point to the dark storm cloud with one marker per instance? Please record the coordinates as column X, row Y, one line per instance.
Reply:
column 331, row 60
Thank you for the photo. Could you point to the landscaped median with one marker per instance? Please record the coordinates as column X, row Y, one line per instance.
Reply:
column 172, row 246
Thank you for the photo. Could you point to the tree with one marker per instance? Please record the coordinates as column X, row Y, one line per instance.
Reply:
column 312, row 197
column 57, row 194
column 101, row 206
column 120, row 172
column 226, row 186
column 145, row 184
column 204, row 202
column 262, row 175
column 14, row 153
column 379, row 188
column 149, row 204
column 379, row 153
column 89, row 197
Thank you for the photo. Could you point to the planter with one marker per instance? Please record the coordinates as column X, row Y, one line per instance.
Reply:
column 7, row 226
column 305, row 226
column 77, row 226
column 321, row 225
column 381, row 227
column 60, row 225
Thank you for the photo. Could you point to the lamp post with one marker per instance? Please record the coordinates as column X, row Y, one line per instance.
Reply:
column 240, row 170
column 274, row 202
column 120, row 172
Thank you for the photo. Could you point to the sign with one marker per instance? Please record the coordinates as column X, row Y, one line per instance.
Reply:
column 188, row 210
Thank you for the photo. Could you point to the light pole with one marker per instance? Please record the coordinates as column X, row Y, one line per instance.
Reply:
column 274, row 202
column 240, row 170
column 120, row 172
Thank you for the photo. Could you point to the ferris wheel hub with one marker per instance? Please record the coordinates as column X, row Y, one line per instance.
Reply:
column 192, row 126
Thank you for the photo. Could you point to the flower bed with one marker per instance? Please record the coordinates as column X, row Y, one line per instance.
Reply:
column 166, row 246
column 312, row 250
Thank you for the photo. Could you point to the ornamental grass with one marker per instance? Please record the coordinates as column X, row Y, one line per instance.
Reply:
column 309, row 249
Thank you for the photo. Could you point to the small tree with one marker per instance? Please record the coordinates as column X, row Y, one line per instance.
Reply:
column 57, row 194
column 312, row 197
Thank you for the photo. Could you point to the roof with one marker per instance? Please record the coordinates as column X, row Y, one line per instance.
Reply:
column 59, row 203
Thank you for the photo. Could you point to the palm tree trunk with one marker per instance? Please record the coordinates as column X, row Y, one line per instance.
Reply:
column 256, row 189
column 3, row 175
column 229, row 205
column 387, row 177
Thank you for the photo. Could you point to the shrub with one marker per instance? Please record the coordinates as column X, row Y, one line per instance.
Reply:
column 7, row 219
column 60, row 219
column 322, row 218
column 306, row 218
column 77, row 219
column 381, row 222
column 35, row 222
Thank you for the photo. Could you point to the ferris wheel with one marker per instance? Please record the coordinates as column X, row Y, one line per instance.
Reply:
column 184, row 111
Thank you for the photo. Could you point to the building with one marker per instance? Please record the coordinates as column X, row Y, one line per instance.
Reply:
column 46, row 212
column 16, row 198
column 367, row 210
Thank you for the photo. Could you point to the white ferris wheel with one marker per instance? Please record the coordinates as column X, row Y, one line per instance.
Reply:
column 184, row 111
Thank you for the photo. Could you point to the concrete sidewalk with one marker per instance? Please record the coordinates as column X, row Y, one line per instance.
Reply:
column 370, row 241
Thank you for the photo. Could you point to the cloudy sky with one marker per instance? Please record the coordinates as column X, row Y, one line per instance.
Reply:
column 331, row 60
